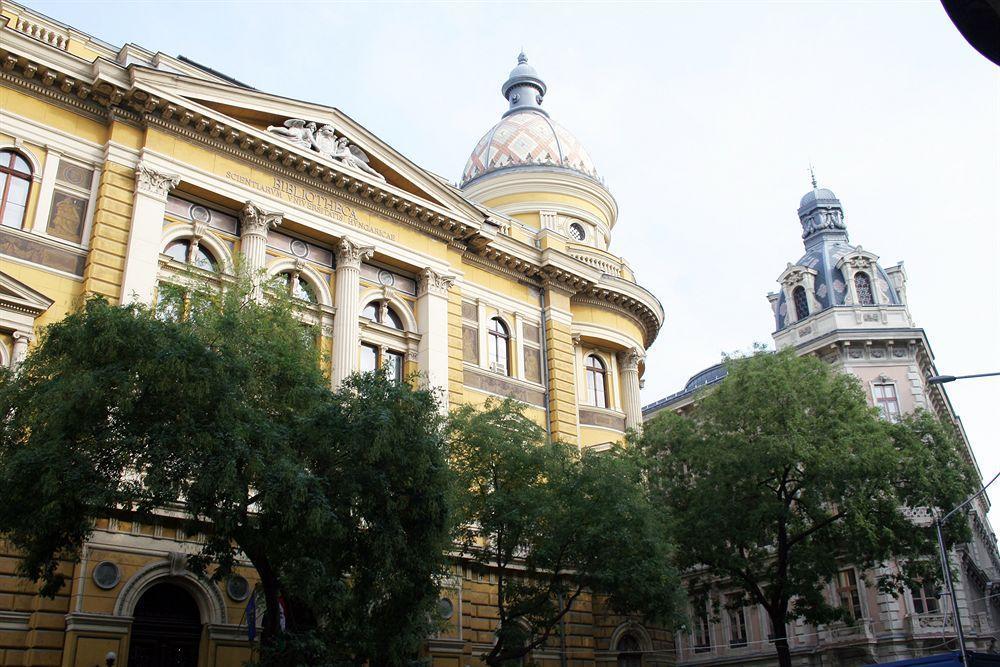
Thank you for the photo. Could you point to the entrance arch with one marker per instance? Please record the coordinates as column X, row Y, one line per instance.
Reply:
column 166, row 629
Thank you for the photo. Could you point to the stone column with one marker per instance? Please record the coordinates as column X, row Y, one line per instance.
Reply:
column 628, row 362
column 254, row 225
column 142, row 257
column 20, row 351
column 432, row 315
column 346, row 332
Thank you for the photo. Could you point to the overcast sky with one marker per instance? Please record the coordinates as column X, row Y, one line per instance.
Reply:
column 702, row 117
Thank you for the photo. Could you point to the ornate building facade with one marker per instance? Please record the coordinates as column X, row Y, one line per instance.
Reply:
column 123, row 170
column 838, row 302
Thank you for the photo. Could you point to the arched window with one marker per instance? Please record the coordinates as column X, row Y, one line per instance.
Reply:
column 597, row 381
column 499, row 346
column 188, row 251
column 801, row 303
column 15, row 183
column 863, row 286
column 629, row 652
column 382, row 313
column 298, row 286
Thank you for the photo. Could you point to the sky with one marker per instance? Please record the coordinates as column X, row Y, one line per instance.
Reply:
column 703, row 119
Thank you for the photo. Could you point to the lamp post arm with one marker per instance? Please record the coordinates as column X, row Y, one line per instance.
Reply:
column 971, row 498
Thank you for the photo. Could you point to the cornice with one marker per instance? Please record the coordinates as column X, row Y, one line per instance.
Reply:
column 112, row 92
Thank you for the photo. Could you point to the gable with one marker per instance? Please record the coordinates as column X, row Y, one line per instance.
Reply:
column 18, row 297
column 310, row 130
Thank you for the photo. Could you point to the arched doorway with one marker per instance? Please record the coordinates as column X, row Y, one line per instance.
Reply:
column 166, row 630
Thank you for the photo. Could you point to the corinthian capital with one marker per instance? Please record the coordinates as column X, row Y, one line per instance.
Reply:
column 350, row 254
column 152, row 182
column 255, row 221
column 434, row 282
column 630, row 359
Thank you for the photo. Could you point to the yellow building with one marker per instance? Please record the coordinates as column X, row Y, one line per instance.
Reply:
column 123, row 169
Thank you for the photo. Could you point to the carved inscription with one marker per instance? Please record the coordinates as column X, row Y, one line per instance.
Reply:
column 314, row 201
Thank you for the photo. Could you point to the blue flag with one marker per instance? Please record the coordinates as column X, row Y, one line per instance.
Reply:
column 252, row 618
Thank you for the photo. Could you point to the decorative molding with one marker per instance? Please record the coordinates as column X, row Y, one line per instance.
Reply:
column 434, row 283
column 629, row 360
column 152, row 182
column 256, row 222
column 350, row 255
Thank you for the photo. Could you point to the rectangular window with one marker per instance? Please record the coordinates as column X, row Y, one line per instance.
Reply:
column 886, row 400
column 70, row 200
column 702, row 628
column 925, row 599
column 737, row 621
column 848, row 593
column 393, row 364
column 369, row 358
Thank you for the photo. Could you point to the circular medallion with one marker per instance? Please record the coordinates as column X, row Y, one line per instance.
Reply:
column 200, row 213
column 445, row 608
column 74, row 175
column 576, row 232
column 386, row 278
column 238, row 587
column 107, row 575
column 299, row 248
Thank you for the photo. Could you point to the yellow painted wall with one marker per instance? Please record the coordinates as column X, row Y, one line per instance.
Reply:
column 609, row 319
column 16, row 102
column 544, row 200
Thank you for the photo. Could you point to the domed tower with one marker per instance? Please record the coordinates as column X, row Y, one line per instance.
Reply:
column 534, row 170
column 834, row 274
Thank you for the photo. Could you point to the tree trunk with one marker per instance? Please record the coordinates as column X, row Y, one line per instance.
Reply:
column 781, row 641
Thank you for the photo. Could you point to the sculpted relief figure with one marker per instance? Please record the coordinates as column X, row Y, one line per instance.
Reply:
column 325, row 142
column 296, row 131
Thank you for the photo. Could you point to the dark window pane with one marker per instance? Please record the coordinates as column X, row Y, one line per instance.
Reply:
column 863, row 286
column 801, row 303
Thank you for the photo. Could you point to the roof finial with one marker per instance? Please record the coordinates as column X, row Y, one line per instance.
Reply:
column 521, row 58
column 812, row 175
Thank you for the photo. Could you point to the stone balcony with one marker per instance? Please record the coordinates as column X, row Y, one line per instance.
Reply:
column 927, row 626
column 602, row 260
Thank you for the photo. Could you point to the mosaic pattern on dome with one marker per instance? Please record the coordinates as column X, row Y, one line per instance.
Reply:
column 527, row 139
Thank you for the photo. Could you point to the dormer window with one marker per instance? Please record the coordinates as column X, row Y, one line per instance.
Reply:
column 863, row 287
column 801, row 303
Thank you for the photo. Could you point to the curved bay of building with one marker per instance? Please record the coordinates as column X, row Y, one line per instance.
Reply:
column 130, row 170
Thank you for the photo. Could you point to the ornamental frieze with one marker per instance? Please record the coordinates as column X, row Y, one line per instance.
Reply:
column 324, row 141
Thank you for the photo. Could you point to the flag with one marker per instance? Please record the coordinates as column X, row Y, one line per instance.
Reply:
column 281, row 612
column 251, row 614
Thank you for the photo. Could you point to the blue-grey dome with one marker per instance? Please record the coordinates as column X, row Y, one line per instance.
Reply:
column 824, row 234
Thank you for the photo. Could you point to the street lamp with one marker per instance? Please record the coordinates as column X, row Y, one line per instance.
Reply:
column 941, row 379
column 946, row 570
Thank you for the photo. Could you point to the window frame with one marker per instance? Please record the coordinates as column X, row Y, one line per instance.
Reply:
column 882, row 402
column 849, row 594
column 802, row 312
column 869, row 285
column 737, row 618
column 925, row 596
column 591, row 373
column 11, row 174
column 498, row 338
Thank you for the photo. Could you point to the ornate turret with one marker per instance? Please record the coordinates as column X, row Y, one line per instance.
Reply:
column 524, row 89
column 821, row 214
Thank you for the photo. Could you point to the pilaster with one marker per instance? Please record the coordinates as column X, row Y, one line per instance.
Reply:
column 432, row 317
column 561, row 361
column 346, row 330
column 143, row 252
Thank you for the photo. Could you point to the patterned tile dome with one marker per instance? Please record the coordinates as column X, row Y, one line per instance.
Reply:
column 527, row 138
column 525, row 135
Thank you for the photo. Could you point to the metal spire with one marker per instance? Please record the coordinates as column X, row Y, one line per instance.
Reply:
column 812, row 174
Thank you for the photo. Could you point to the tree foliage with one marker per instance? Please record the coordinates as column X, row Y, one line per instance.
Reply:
column 339, row 500
column 782, row 474
column 552, row 523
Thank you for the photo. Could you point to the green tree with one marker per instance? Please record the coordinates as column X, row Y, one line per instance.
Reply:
column 339, row 500
column 782, row 474
column 552, row 524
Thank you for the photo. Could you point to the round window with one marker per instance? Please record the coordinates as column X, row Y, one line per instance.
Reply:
column 577, row 232
column 107, row 575
column 238, row 587
column 445, row 608
column 199, row 213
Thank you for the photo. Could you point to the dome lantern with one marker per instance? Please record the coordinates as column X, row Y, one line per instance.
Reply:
column 821, row 215
column 524, row 89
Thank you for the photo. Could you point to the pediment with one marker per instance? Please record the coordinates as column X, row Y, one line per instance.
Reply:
column 18, row 297
column 326, row 126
